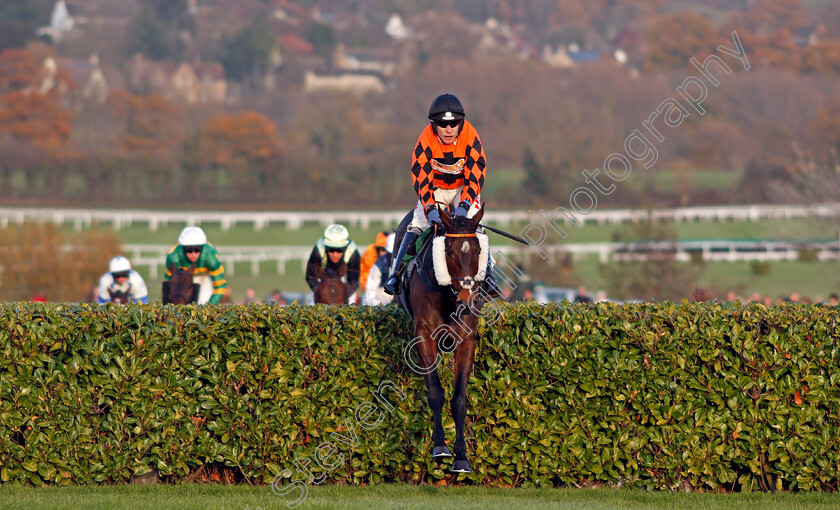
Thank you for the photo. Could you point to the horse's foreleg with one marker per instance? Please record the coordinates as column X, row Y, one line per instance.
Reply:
column 464, row 354
column 427, row 354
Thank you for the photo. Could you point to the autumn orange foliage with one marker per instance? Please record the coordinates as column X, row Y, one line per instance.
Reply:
column 30, row 107
column 34, row 258
column 146, row 119
column 240, row 139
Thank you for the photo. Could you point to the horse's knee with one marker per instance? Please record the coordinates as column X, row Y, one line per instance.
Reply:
column 436, row 397
column 459, row 404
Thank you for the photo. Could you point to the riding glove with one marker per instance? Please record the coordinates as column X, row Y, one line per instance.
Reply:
column 434, row 218
column 462, row 210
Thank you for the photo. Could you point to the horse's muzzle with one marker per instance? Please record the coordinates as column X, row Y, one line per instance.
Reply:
column 464, row 297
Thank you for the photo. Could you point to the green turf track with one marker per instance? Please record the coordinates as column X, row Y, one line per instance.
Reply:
column 810, row 279
column 393, row 496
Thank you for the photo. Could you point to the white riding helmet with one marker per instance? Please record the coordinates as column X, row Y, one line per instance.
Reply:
column 389, row 243
column 119, row 264
column 336, row 236
column 192, row 236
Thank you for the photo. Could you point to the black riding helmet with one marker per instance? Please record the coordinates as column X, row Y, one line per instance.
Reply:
column 447, row 107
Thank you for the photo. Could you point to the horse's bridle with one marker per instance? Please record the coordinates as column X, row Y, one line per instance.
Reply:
column 466, row 282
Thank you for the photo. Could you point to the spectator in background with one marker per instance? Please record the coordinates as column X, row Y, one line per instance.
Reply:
column 507, row 294
column 794, row 297
column 582, row 295
column 730, row 296
column 833, row 299
column 372, row 253
column 249, row 297
column 277, row 298
column 39, row 297
column 528, row 295
column 600, row 296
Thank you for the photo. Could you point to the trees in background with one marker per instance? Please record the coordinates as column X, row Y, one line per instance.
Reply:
column 540, row 125
column 35, row 259
column 30, row 110
column 19, row 19
column 673, row 39
column 246, row 53
column 243, row 151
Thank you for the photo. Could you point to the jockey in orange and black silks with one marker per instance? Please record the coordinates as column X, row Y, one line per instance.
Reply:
column 453, row 161
column 448, row 166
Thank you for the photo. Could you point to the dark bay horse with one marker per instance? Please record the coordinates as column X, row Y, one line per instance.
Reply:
column 332, row 290
column 118, row 296
column 445, row 316
column 180, row 289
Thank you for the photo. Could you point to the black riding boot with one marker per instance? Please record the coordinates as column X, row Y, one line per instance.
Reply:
column 392, row 286
column 490, row 284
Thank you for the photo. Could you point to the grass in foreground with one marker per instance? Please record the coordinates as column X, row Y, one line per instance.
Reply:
column 395, row 496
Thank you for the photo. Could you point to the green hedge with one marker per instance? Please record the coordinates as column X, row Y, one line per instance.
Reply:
column 656, row 395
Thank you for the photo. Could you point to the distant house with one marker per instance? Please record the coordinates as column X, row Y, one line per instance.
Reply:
column 91, row 84
column 348, row 82
column 381, row 61
column 61, row 23
column 396, row 29
column 565, row 58
column 558, row 57
column 200, row 82
column 184, row 82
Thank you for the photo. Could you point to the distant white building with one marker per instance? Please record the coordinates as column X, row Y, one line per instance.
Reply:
column 349, row 82
column 396, row 29
column 60, row 22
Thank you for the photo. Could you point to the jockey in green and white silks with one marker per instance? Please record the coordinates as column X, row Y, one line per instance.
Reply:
column 331, row 252
column 121, row 278
column 209, row 274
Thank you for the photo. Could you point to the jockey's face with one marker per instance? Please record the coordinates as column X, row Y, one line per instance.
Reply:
column 335, row 254
column 448, row 132
column 192, row 252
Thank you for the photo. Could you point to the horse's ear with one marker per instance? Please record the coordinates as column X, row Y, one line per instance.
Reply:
column 192, row 268
column 446, row 219
column 165, row 292
column 477, row 218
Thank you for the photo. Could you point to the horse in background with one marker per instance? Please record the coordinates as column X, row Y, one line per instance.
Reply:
column 444, row 309
column 180, row 289
column 332, row 290
column 118, row 296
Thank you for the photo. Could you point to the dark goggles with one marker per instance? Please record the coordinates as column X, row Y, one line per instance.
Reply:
column 447, row 123
column 335, row 250
column 192, row 249
column 120, row 275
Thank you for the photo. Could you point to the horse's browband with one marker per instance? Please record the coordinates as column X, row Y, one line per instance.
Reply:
column 460, row 235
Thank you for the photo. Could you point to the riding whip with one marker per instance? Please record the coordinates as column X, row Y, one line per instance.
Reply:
column 503, row 233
